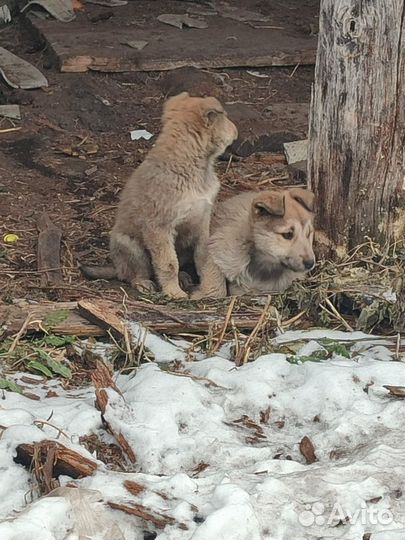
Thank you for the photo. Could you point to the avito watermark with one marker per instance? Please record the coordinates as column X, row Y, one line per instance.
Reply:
column 317, row 514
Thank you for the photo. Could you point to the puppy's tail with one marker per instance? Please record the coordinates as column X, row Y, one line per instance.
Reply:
column 99, row 272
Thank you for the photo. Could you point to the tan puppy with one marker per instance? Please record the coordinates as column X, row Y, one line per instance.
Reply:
column 165, row 207
column 260, row 243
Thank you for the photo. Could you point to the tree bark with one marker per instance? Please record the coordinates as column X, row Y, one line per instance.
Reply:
column 357, row 133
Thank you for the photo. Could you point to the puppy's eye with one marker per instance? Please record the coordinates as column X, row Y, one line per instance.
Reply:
column 288, row 235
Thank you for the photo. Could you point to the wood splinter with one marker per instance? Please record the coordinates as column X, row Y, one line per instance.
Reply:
column 102, row 379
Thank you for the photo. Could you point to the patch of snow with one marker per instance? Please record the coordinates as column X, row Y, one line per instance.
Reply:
column 218, row 448
column 163, row 350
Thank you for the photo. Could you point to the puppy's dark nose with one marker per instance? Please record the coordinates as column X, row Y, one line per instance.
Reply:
column 309, row 263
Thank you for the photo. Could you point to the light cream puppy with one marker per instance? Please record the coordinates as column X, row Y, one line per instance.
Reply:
column 260, row 243
column 165, row 207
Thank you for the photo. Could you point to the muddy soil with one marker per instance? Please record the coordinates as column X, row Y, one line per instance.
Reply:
column 73, row 151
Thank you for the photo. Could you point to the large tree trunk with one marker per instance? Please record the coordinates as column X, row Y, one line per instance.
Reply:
column 356, row 148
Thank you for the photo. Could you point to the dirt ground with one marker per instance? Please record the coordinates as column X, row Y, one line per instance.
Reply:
column 73, row 151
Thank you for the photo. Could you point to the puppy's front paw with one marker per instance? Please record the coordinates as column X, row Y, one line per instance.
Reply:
column 199, row 294
column 174, row 292
column 144, row 286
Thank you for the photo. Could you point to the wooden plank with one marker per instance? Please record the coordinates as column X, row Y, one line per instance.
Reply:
column 70, row 323
column 81, row 46
column 103, row 314
column 48, row 253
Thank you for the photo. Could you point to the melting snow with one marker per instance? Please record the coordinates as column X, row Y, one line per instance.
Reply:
column 218, row 450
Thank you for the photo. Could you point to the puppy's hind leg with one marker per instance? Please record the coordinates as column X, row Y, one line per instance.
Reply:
column 165, row 262
column 132, row 262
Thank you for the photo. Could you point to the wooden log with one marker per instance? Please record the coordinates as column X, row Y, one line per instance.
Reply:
column 60, row 318
column 48, row 254
column 159, row 318
column 96, row 317
column 357, row 121
column 65, row 460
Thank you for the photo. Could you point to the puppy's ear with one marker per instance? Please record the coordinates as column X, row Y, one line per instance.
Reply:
column 269, row 204
column 211, row 115
column 211, row 108
column 304, row 197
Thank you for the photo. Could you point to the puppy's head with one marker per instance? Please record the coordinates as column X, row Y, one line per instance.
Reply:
column 282, row 224
column 204, row 119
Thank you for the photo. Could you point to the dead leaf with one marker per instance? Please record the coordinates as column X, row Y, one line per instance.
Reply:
column 31, row 380
column 181, row 20
column 134, row 487
column 29, row 395
column 396, row 391
column 265, row 416
column 307, row 450
column 199, row 468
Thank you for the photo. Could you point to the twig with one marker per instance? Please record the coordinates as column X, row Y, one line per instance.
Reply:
column 294, row 319
column 243, row 356
column 398, row 345
column 338, row 315
column 225, row 325
column 294, row 70
column 129, row 350
column 229, row 163
column 19, row 334
column 8, row 130
column 60, row 431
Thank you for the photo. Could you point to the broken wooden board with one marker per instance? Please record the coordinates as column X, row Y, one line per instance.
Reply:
column 60, row 318
column 18, row 73
column 81, row 46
